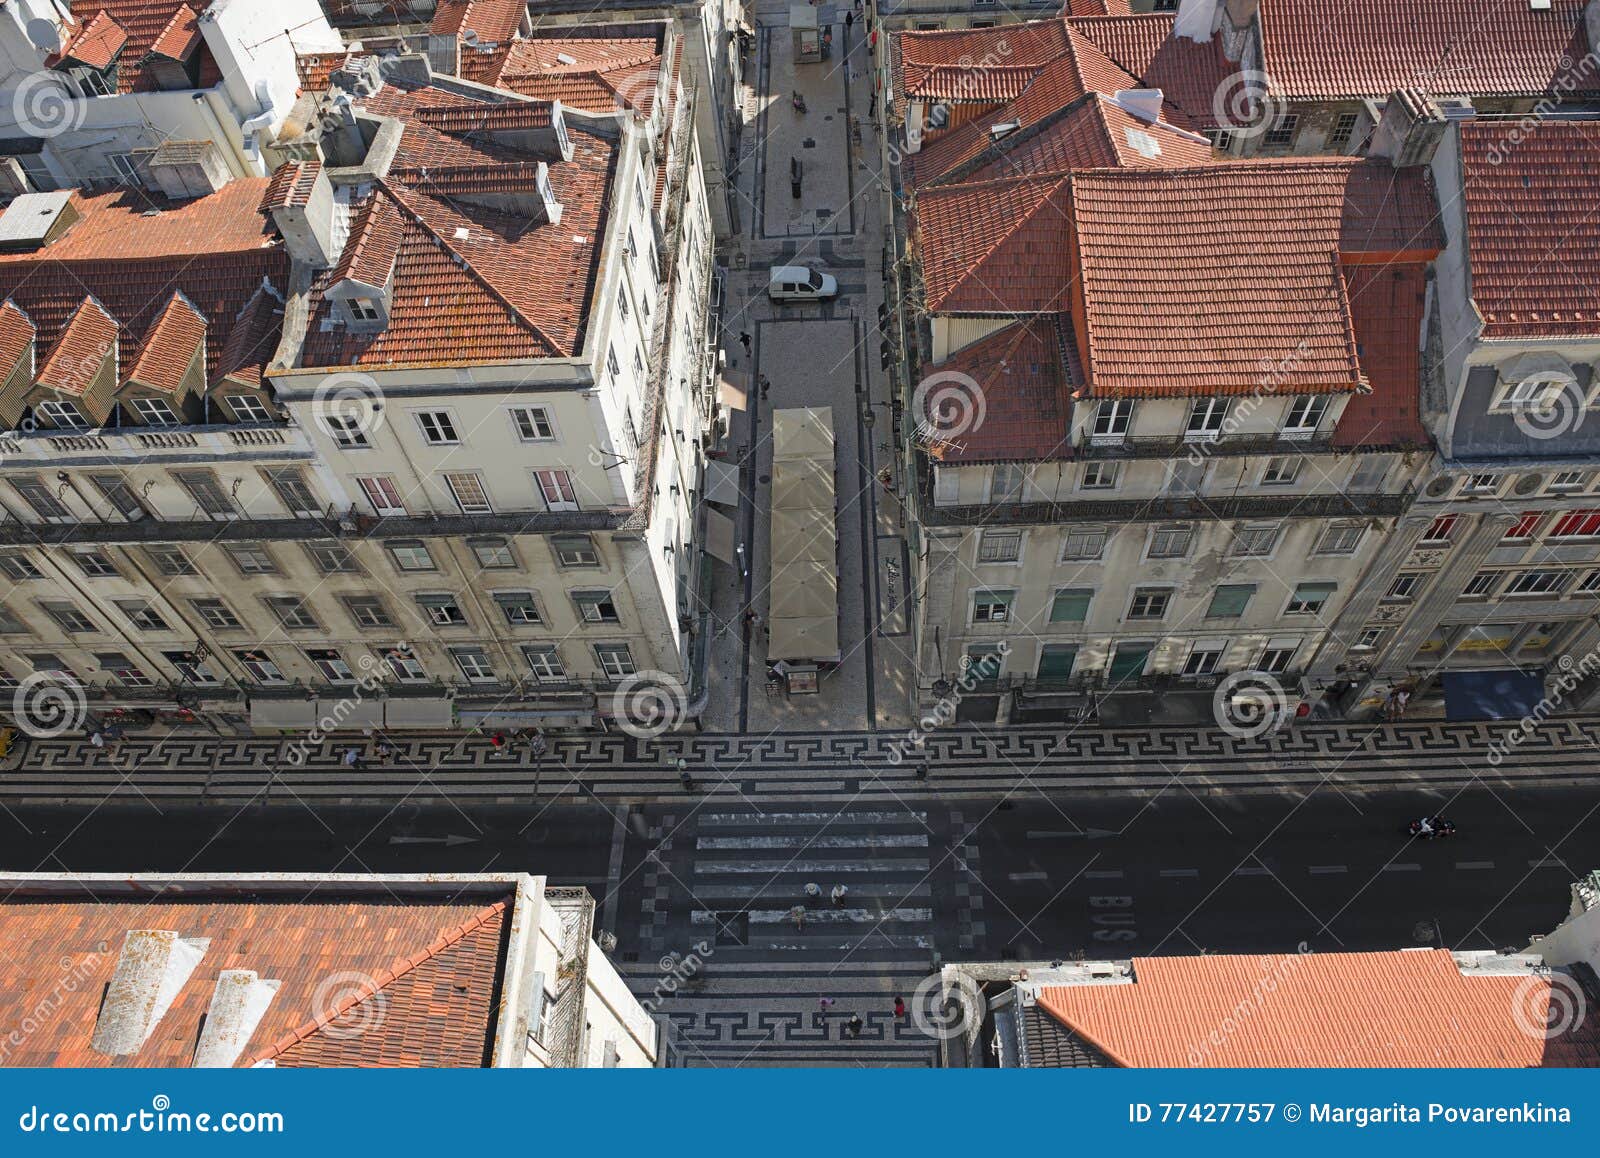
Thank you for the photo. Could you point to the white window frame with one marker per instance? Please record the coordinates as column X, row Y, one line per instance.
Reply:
column 438, row 427
column 238, row 404
column 560, row 483
column 1206, row 416
column 381, row 486
column 1303, row 416
column 525, row 417
column 65, row 415
column 1274, row 473
column 1112, row 421
column 457, row 482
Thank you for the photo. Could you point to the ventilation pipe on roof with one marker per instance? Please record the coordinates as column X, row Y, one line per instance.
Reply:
column 262, row 121
column 238, row 1004
column 1144, row 103
column 150, row 973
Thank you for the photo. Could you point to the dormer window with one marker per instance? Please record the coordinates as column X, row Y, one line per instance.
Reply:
column 364, row 310
column 154, row 412
column 63, row 415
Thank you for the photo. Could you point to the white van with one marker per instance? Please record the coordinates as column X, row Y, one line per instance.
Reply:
column 796, row 283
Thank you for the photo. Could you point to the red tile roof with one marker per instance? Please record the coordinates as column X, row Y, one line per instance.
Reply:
column 471, row 284
column 165, row 26
column 994, row 65
column 80, row 350
column 1188, row 74
column 1193, row 279
column 468, row 117
column 291, row 184
column 97, row 42
column 1411, row 1008
column 1532, row 236
column 171, row 346
column 251, row 340
column 1098, row 8
column 489, row 20
column 995, row 246
column 1090, row 133
column 1025, row 374
column 436, row 964
column 316, row 68
column 1386, row 305
column 606, row 73
column 216, row 250
column 1369, row 48
column 674, row 90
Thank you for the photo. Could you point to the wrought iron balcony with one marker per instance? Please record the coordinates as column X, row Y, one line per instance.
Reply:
column 1183, row 445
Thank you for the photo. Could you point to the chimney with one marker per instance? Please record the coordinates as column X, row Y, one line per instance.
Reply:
column 1144, row 103
column 185, row 169
column 237, row 1006
column 1409, row 129
column 1196, row 19
column 300, row 201
column 151, row 970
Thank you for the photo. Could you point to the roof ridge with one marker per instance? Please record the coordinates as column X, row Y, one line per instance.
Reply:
column 446, row 938
column 477, row 275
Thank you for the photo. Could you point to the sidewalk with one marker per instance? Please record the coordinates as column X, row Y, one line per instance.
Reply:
column 838, row 766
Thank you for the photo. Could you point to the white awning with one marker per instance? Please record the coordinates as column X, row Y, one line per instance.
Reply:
column 349, row 714
column 419, row 712
column 811, row 639
column 299, row 714
column 722, row 483
column 527, row 718
column 803, row 432
column 720, row 537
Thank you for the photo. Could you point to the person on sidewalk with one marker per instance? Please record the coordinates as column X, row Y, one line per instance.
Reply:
column 798, row 913
column 813, row 891
column 353, row 760
column 824, row 1004
column 837, row 895
column 97, row 738
column 852, row 1028
column 744, row 340
column 899, row 1007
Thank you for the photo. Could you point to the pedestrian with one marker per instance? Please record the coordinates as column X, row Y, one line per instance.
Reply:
column 384, row 752
column 352, row 759
column 849, row 20
column 824, row 1003
column 798, row 913
column 766, row 385
column 813, row 890
column 899, row 1007
column 744, row 340
column 922, row 769
column 97, row 738
column 537, row 745
column 837, row 895
column 852, row 1028
column 498, row 740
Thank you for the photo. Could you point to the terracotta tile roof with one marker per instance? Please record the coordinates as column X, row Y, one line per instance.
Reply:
column 252, row 339
column 97, row 42
column 1411, row 1008
column 316, row 68
column 995, row 246
column 167, row 27
column 471, row 284
column 1532, row 236
column 1386, row 304
column 1193, row 279
column 290, row 184
column 1025, row 373
column 1090, row 133
column 80, row 350
column 674, row 88
column 216, row 250
column 604, row 73
column 170, row 346
column 437, row 963
column 1188, row 74
column 180, row 37
column 1369, row 48
column 442, row 1020
column 468, row 117
column 16, row 336
column 490, row 20
column 1389, row 212
column 995, row 65
column 1098, row 8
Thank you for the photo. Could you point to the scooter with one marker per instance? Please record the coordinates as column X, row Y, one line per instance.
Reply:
column 1431, row 827
column 798, row 101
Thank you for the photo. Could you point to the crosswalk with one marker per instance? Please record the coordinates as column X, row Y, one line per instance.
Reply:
column 768, row 954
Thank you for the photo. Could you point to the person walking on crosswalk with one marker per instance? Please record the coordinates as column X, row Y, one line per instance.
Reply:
column 837, row 895
column 799, row 915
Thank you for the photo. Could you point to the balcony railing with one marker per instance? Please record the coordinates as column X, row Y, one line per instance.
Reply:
column 1183, row 444
column 117, row 444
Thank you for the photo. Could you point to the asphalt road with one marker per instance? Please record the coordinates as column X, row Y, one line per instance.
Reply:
column 1060, row 877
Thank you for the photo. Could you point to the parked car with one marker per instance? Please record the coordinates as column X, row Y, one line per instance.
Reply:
column 798, row 283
